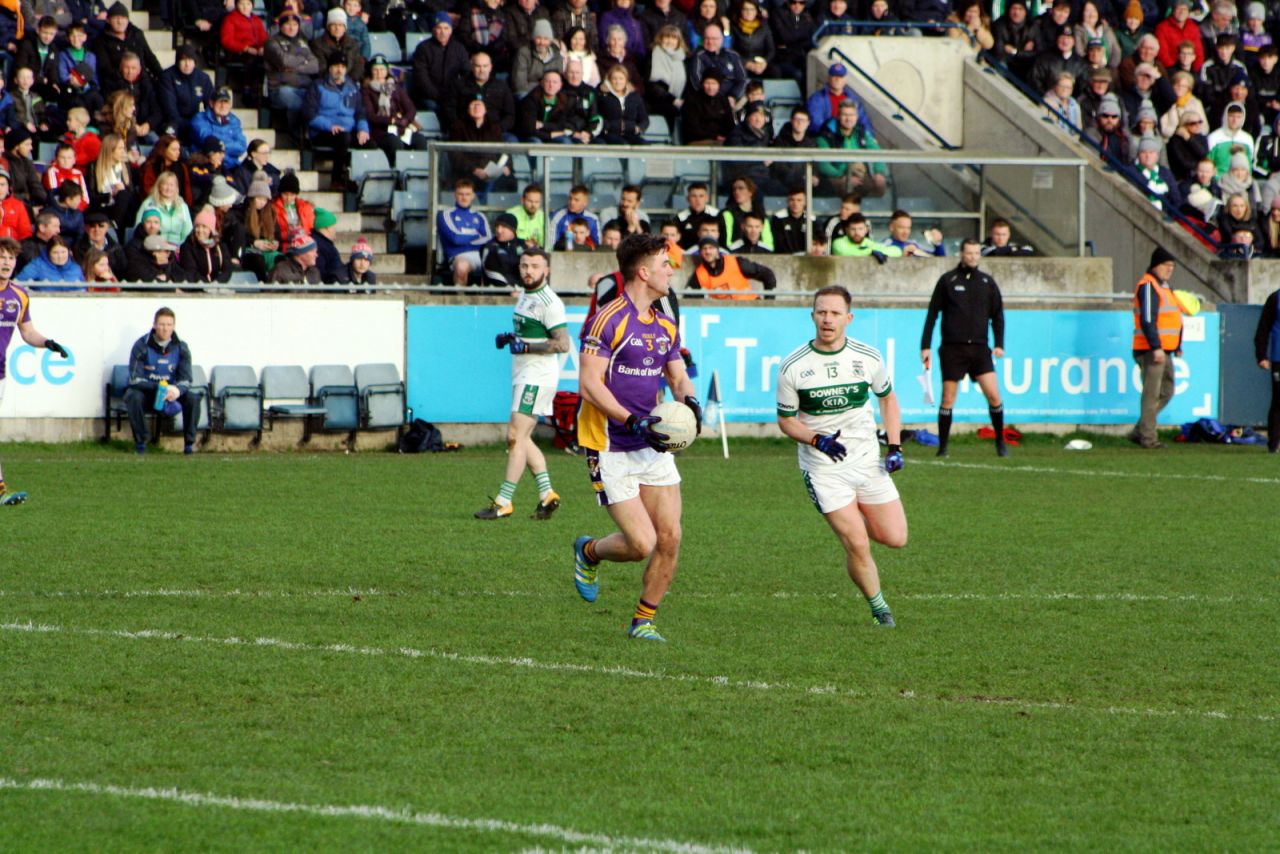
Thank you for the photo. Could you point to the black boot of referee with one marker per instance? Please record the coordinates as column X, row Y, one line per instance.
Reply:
column 944, row 430
column 997, row 424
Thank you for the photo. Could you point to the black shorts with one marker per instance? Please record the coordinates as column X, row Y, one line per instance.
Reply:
column 956, row 360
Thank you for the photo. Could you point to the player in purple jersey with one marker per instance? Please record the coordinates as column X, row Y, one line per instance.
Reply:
column 15, row 313
column 629, row 347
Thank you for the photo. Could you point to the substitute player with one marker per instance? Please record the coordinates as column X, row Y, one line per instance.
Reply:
column 15, row 313
column 540, row 337
column 824, row 393
column 968, row 299
column 628, row 349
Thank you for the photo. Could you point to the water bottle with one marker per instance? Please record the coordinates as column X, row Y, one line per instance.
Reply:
column 161, row 390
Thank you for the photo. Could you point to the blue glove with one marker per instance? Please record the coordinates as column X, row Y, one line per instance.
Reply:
column 894, row 461
column 642, row 426
column 503, row 339
column 518, row 346
column 829, row 445
column 692, row 402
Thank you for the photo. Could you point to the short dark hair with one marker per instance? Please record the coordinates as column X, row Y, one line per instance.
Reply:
column 697, row 185
column 462, row 183
column 998, row 223
column 536, row 252
column 46, row 22
column 45, row 217
column 9, row 246
column 970, row 241
column 854, row 219
column 613, row 226
column 800, row 110
column 834, row 291
column 635, row 249
column 752, row 215
column 579, row 190
column 899, row 214
column 164, row 311
column 632, row 188
column 579, row 221
column 76, row 25
column 669, row 222
column 532, row 188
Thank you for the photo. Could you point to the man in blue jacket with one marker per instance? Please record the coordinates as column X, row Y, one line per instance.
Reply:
column 462, row 232
column 159, row 356
column 334, row 110
column 183, row 91
column 218, row 122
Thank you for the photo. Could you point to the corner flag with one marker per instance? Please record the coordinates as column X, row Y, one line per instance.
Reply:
column 713, row 400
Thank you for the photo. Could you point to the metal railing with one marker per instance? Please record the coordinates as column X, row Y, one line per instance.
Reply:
column 901, row 107
column 862, row 28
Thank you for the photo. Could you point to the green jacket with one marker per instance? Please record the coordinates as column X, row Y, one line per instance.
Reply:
column 860, row 140
column 529, row 227
column 846, row 248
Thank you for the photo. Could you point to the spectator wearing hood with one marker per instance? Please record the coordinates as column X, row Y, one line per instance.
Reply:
column 1239, row 93
column 707, row 116
column 184, row 89
column 53, row 264
column 1223, row 141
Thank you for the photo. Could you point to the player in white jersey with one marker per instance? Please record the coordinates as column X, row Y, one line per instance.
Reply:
column 824, row 394
column 539, row 338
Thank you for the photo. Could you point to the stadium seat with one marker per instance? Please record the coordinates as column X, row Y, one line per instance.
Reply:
column 113, row 400
column 243, row 277
column 385, row 43
column 382, row 396
column 503, row 201
column 415, row 171
column 236, row 399
column 200, row 383
column 658, row 132
column 377, row 180
column 782, row 93
column 333, row 389
column 411, row 42
column 430, row 125
column 603, row 175
column 286, row 394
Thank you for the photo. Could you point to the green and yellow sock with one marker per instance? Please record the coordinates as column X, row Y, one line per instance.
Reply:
column 544, row 483
column 644, row 613
column 506, row 492
column 877, row 603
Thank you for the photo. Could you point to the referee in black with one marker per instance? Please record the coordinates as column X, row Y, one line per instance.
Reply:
column 968, row 299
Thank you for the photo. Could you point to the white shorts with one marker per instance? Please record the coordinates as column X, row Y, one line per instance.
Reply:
column 472, row 257
column 2, row 382
column 533, row 400
column 866, row 483
column 617, row 476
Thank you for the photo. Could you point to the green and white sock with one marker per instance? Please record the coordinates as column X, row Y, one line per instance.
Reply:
column 507, row 492
column 877, row 603
column 544, row 483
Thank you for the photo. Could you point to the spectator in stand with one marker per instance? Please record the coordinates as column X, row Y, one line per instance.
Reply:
column 707, row 12
column 1202, row 193
column 208, row 169
column 257, row 160
column 1186, row 60
column 437, row 63
column 714, row 55
column 794, row 134
column 577, row 237
column 825, row 103
column 83, row 138
column 1046, row 28
column 147, row 115
column 38, row 52
column 1217, row 74
column 1221, row 18
column 24, row 178
column 335, row 118
column 1265, row 76
column 577, row 207
column 754, row 132
column 203, row 257
column 900, row 237
column 848, row 134
column 1185, row 102
column 175, row 217
column 753, row 40
column 1270, row 248
column 622, row 110
column 484, row 27
column 1062, row 106
column 1150, row 88
column 499, row 103
column 793, row 29
column 462, row 233
column 1092, row 26
column 753, row 232
column 622, row 14
column 358, row 26
column 1239, row 94
column 1146, row 52
column 98, row 273
column 1188, row 145
column 167, row 157
column 577, row 50
column 744, row 198
column 575, row 14
column 1097, row 88
column 1000, row 243
column 615, row 53
column 535, row 59
column 291, row 69
column 63, row 169
column 219, row 123
column 477, row 127
column 689, row 220
column 360, row 265
column 156, row 263
column 707, row 117
column 225, row 200
column 1224, row 141
column 667, row 75
column 584, row 96
column 658, row 14
column 977, row 26
column 1162, row 189
column 1131, row 27
column 727, row 276
column 1254, row 36
column 522, row 15
column 262, row 234
column 30, row 110
column 293, row 212
column 1239, row 179
column 53, row 264
column 549, row 115
column 531, row 220
column 789, row 226
column 78, row 72
column 388, row 108
column 65, row 203
column 119, row 38
column 120, row 118
column 1237, row 214
column 1049, row 65
column 47, row 226
column 628, row 217
column 328, row 258
column 856, row 242
column 1179, row 27
column 15, row 223
column 298, row 265
column 97, row 238
column 336, row 42
column 501, row 258
column 244, row 36
column 884, row 22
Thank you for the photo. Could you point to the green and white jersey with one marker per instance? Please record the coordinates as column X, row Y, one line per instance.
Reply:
column 537, row 313
column 830, row 391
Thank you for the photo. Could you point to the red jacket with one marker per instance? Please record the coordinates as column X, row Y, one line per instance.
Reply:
column 1171, row 35
column 306, row 218
column 53, row 178
column 14, row 221
column 240, row 32
column 87, row 146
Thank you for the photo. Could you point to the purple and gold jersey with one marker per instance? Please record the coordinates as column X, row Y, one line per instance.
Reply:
column 15, row 308
column 638, row 349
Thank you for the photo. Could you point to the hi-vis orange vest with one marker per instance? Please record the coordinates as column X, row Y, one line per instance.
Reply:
column 730, row 279
column 1168, row 316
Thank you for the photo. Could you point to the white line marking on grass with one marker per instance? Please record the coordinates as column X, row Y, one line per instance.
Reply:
column 167, row 593
column 1143, row 475
column 365, row 811
column 593, row 669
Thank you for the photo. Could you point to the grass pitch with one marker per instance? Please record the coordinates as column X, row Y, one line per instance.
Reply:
column 282, row 652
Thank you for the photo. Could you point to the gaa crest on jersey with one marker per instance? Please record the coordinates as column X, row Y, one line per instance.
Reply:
column 12, row 306
column 664, row 345
column 859, row 370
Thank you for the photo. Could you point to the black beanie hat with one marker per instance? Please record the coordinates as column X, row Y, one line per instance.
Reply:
column 1160, row 256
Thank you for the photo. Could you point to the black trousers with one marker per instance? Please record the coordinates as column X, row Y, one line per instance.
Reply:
column 141, row 404
column 1273, row 414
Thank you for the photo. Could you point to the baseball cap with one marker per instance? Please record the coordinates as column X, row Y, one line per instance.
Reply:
column 212, row 145
column 837, row 70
